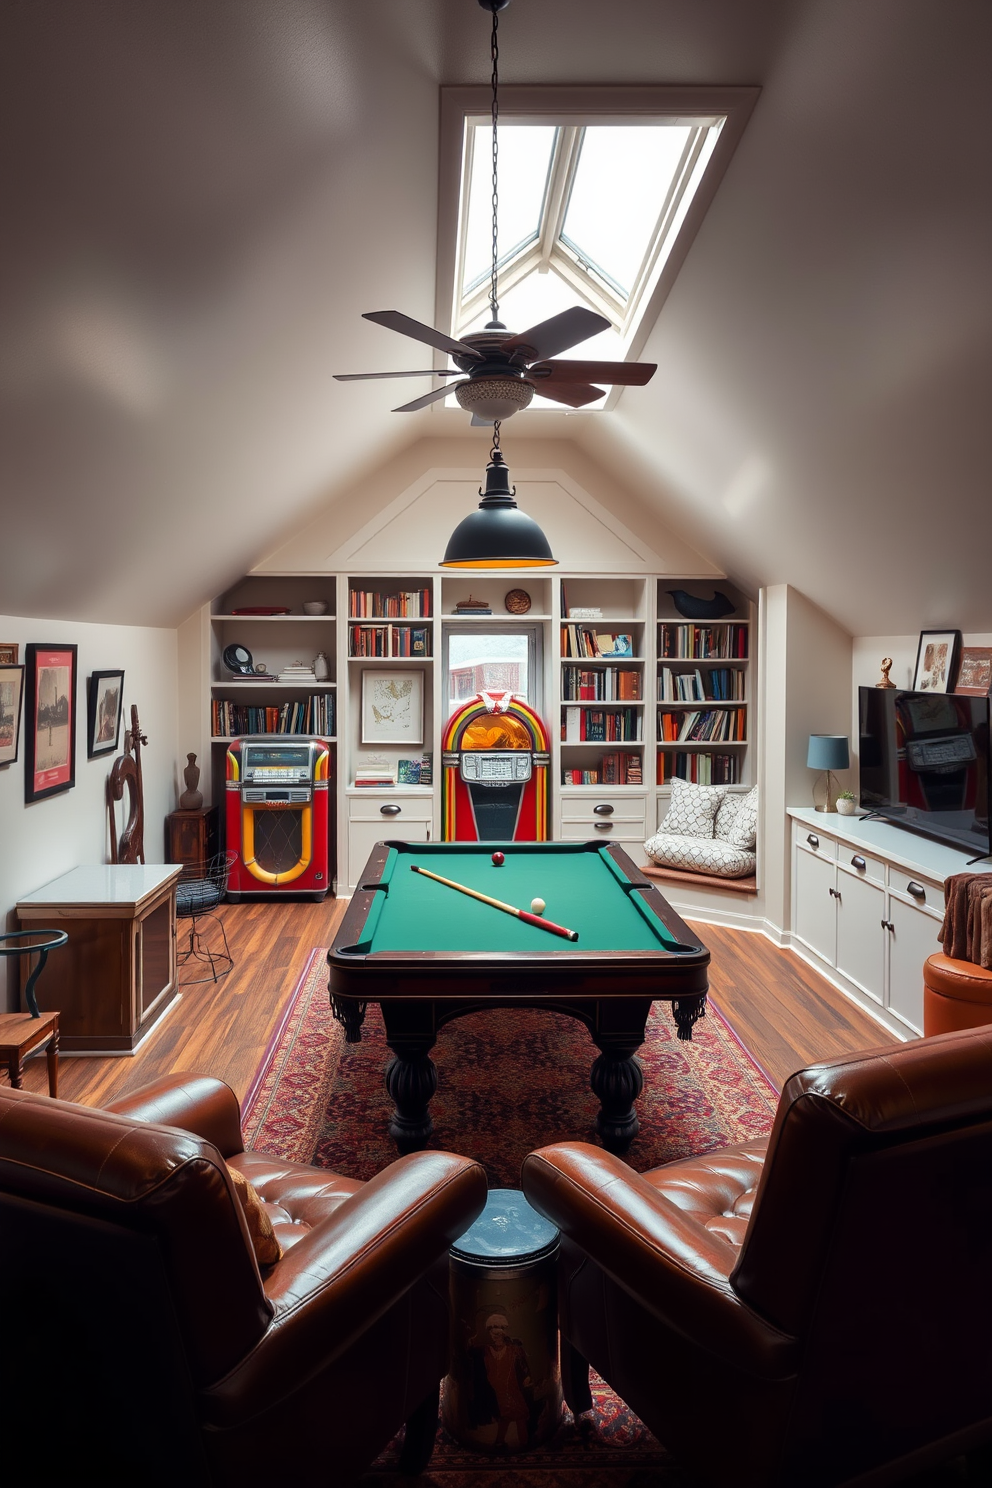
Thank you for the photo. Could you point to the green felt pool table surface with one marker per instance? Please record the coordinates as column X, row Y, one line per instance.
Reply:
column 583, row 887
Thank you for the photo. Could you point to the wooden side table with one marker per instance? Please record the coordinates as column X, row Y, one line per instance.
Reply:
column 191, row 836
column 19, row 1034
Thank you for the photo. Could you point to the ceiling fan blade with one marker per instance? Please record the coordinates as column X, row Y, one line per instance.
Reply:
column 365, row 376
column 393, row 320
column 559, row 333
column 574, row 394
column 432, row 397
column 620, row 374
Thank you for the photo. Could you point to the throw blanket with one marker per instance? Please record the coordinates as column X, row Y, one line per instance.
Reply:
column 967, row 928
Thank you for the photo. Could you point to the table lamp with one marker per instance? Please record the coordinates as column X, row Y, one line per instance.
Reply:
column 827, row 752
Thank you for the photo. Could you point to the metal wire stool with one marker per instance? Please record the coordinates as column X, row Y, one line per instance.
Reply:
column 198, row 894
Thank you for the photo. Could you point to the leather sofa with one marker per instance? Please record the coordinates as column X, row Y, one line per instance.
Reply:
column 144, row 1343
column 812, row 1310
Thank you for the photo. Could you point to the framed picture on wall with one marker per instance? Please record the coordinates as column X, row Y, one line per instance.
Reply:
column 975, row 671
column 11, row 698
column 8, row 653
column 50, row 721
column 937, row 661
column 104, row 706
column 392, row 707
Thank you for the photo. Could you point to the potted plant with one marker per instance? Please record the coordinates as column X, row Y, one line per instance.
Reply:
column 846, row 803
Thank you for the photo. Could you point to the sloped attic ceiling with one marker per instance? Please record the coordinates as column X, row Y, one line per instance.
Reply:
column 200, row 197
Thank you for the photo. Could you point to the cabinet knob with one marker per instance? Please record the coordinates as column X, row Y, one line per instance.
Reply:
column 859, row 863
column 390, row 809
column 887, row 925
column 916, row 889
column 603, row 810
column 813, row 840
column 835, row 893
column 603, row 826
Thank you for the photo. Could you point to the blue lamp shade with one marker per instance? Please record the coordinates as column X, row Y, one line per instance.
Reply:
column 828, row 752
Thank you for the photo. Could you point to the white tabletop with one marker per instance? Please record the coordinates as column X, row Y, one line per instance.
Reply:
column 105, row 883
column 908, row 850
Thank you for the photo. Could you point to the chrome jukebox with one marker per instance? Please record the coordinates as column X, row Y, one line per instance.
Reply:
column 279, row 815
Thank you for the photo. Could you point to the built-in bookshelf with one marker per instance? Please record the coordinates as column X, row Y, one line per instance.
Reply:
column 632, row 691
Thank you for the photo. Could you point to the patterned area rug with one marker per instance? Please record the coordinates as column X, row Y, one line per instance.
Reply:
column 506, row 1084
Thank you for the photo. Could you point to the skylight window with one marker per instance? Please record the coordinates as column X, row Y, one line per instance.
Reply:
column 600, row 194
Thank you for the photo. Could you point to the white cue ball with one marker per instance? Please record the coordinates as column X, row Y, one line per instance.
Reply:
column 537, row 906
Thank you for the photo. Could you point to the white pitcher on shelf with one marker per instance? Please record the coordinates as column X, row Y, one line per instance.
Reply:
column 321, row 670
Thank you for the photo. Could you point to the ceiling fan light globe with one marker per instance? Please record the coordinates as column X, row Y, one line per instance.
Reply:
column 494, row 397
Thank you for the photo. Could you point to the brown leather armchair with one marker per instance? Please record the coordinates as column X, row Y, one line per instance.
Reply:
column 143, row 1339
column 813, row 1310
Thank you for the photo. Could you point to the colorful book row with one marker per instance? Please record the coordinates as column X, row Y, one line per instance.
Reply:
column 605, row 684
column 373, row 604
column 312, row 715
column 618, row 768
column 716, row 685
column 715, row 725
column 576, row 640
column 388, row 640
column 597, row 725
column 701, row 769
column 699, row 642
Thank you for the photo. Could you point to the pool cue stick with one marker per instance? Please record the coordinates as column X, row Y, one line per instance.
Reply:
column 521, row 914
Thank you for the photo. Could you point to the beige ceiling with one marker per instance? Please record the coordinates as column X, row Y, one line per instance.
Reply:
column 201, row 196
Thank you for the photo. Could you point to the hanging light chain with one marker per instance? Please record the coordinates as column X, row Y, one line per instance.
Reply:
column 495, row 448
column 494, row 45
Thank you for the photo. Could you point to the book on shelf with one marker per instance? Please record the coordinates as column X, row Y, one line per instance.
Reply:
column 408, row 771
column 378, row 604
column 311, row 715
column 698, row 767
column 427, row 769
column 703, row 642
column 604, row 684
column 375, row 777
column 579, row 641
column 621, row 768
column 703, row 726
column 580, row 777
column 388, row 640
column 715, row 684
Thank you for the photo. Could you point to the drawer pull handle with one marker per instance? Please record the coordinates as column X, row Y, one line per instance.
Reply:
column 390, row 809
column 859, row 863
column 888, row 925
column 603, row 826
column 603, row 810
column 813, row 840
column 835, row 893
column 916, row 889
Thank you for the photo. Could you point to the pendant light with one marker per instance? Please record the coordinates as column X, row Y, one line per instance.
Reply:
column 499, row 534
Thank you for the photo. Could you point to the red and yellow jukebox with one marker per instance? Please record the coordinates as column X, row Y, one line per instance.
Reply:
column 495, row 761
column 278, row 815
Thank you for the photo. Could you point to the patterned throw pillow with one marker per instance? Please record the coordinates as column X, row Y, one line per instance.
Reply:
column 693, row 808
column 266, row 1246
column 737, row 820
column 699, row 855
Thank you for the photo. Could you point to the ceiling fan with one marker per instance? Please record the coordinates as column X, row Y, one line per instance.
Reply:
column 502, row 371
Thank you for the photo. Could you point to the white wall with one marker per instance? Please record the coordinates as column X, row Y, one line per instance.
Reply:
column 40, row 841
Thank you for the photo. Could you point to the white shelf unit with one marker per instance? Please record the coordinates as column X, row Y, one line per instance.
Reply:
column 631, row 606
column 710, row 656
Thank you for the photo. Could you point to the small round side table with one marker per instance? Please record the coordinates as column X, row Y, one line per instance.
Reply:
column 503, row 1389
column 22, row 1032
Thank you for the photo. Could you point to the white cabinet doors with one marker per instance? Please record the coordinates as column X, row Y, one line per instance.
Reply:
column 860, row 936
column 816, row 904
column 912, row 938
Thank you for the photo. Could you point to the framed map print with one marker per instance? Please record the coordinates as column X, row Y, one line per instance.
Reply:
column 393, row 707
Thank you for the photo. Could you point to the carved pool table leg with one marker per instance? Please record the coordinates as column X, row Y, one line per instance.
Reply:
column 411, row 1079
column 687, row 1011
column 617, row 1080
column 575, row 1379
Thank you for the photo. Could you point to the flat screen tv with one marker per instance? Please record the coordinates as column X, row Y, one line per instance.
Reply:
column 925, row 763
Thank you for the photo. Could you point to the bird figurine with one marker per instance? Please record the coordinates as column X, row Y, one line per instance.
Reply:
column 694, row 608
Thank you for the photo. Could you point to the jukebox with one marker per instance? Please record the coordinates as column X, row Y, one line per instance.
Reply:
column 278, row 815
column 495, row 772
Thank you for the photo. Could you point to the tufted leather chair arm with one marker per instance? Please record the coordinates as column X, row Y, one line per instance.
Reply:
column 195, row 1103
column 667, row 1259
column 348, row 1271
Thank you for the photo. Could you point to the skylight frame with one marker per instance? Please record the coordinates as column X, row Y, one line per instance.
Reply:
column 571, row 108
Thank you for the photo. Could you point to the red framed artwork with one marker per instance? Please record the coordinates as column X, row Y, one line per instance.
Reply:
column 50, row 721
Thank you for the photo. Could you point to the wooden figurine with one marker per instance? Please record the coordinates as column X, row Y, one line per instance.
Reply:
column 886, row 669
column 126, row 775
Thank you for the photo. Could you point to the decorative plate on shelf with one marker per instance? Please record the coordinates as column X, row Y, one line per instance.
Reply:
column 238, row 659
column 517, row 601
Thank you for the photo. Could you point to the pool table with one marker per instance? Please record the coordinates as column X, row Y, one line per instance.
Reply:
column 427, row 954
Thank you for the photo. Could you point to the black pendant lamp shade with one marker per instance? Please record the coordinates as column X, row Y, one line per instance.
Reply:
column 499, row 534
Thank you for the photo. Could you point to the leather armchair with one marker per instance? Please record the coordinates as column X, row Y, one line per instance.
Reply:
column 814, row 1309
column 143, row 1337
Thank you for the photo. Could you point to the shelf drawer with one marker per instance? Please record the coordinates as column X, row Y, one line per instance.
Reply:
column 919, row 891
column 818, row 843
column 609, row 828
column 389, row 807
column 611, row 808
column 859, row 864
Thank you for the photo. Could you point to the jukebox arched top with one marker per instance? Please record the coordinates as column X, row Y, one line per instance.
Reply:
column 495, row 771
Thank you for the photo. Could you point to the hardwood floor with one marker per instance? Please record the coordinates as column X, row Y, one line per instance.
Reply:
column 781, row 1010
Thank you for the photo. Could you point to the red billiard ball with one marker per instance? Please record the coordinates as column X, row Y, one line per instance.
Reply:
column 498, row 859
